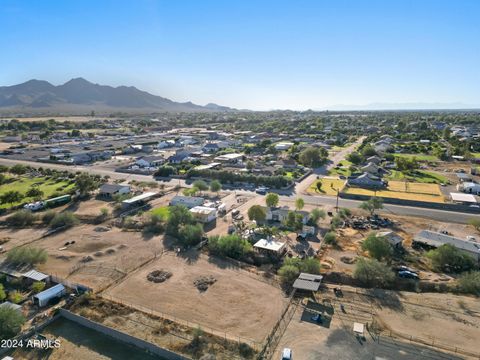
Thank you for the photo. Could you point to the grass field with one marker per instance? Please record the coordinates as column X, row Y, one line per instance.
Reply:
column 329, row 186
column 400, row 190
column 419, row 157
column 343, row 170
column 420, row 176
column 162, row 211
column 23, row 184
column 476, row 155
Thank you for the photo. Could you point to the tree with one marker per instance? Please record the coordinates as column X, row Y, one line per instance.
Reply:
column 294, row 221
column 319, row 185
column 450, row 259
column 200, row 185
column 368, row 151
column 34, row 192
column 250, row 165
column 377, row 246
column 271, row 199
column 18, row 169
column 10, row 197
column 371, row 272
column 179, row 215
column 292, row 267
column 215, row 186
column 190, row 234
column 233, row 246
column 374, row 203
column 344, row 213
column 330, row 238
column 11, row 322
column 299, row 204
column 257, row 213
column 288, row 274
column 355, row 158
column 313, row 156
column 316, row 215
column 336, row 222
column 469, row 283
column 38, row 286
column 85, row 183
column 165, row 171
column 475, row 222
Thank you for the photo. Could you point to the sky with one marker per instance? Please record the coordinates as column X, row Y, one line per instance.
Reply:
column 253, row 54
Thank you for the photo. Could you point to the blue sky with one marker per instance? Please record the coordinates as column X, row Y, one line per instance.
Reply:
column 252, row 54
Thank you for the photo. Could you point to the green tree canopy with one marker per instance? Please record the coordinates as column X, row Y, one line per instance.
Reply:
column 257, row 213
column 11, row 322
column 374, row 203
column 371, row 272
column 450, row 259
column 377, row 246
column 272, row 199
column 313, row 156
column 215, row 186
column 299, row 203
column 233, row 246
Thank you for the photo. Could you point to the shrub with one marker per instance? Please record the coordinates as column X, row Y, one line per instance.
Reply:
column 154, row 224
column 371, row 272
column 66, row 219
column 288, row 274
column 38, row 286
column 330, row 238
column 15, row 297
column 27, row 255
column 179, row 215
column 469, row 283
column 316, row 215
column 11, row 322
column 21, row 218
column 229, row 245
column 3, row 296
column 292, row 267
column 257, row 213
column 48, row 216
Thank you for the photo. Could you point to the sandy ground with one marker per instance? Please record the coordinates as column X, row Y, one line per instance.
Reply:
column 239, row 303
column 112, row 252
column 433, row 317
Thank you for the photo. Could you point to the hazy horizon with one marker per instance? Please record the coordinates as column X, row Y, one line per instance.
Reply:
column 254, row 55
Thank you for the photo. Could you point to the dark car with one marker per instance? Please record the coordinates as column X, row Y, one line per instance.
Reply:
column 408, row 275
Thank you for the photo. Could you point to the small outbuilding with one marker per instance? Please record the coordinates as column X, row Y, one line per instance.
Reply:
column 43, row 298
column 110, row 190
column 9, row 305
column 308, row 282
column 138, row 200
column 204, row 214
column 270, row 246
column 187, row 201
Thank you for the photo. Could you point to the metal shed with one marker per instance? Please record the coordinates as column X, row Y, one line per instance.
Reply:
column 45, row 296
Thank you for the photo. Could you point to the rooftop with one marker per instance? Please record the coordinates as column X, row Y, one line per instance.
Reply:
column 308, row 282
column 140, row 197
column 461, row 197
column 270, row 244
column 437, row 239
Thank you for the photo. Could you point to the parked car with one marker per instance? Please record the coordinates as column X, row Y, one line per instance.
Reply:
column 405, row 268
column 408, row 275
column 261, row 190
column 287, row 354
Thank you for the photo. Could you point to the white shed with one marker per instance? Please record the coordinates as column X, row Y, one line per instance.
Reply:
column 42, row 298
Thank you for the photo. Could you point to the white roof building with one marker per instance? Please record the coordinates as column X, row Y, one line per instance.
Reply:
column 463, row 198
column 270, row 245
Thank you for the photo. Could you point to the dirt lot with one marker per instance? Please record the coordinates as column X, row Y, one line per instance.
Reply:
column 238, row 303
column 442, row 319
column 109, row 252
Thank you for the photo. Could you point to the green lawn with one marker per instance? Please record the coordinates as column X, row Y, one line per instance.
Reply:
column 343, row 170
column 476, row 155
column 419, row 157
column 420, row 176
column 22, row 184
column 163, row 212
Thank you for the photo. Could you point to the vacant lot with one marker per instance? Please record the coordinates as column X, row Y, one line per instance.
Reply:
column 405, row 191
column 329, row 186
column 98, row 255
column 238, row 303
column 420, row 176
column 419, row 157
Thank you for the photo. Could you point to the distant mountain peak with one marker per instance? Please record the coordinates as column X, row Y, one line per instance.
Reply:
column 79, row 95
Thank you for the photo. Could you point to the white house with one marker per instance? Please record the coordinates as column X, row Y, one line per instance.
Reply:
column 150, row 161
column 281, row 146
column 280, row 214
column 110, row 190
column 270, row 246
column 187, row 201
column 204, row 214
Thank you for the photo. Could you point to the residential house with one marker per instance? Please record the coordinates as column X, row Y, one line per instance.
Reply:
column 110, row 190
column 187, row 201
column 368, row 181
column 150, row 161
column 280, row 214
column 392, row 237
column 204, row 214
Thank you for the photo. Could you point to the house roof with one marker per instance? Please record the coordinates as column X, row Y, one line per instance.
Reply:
column 152, row 158
column 308, row 282
column 269, row 244
column 111, row 188
column 461, row 197
column 9, row 305
column 437, row 239
column 140, row 197
column 35, row 275
column 53, row 291
column 202, row 210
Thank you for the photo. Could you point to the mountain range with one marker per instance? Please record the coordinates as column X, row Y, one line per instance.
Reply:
column 79, row 96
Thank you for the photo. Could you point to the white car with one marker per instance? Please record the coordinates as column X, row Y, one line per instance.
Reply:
column 39, row 205
column 287, row 354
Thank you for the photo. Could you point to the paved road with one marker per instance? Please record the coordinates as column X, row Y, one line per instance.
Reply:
column 439, row 215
